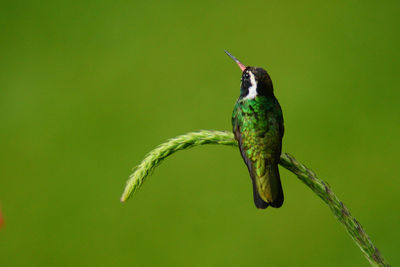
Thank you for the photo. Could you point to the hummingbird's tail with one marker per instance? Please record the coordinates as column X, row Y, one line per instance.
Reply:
column 268, row 188
column 260, row 204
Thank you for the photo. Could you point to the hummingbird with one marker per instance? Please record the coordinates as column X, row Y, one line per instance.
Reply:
column 257, row 123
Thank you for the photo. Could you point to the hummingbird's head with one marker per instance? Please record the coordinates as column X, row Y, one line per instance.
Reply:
column 255, row 81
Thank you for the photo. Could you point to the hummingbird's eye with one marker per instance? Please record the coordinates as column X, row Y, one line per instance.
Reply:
column 246, row 75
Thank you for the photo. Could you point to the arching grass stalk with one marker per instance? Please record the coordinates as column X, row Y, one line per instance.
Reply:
column 306, row 175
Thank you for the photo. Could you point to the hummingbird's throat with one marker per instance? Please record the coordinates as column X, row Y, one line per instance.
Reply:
column 252, row 90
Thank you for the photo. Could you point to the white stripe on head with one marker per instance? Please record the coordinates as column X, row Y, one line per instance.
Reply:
column 253, row 88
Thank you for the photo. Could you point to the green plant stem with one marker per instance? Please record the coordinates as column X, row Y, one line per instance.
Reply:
column 287, row 161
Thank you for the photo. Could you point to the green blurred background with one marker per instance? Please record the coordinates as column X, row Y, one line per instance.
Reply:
column 87, row 88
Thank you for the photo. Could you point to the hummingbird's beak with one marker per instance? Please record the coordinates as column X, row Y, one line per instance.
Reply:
column 241, row 66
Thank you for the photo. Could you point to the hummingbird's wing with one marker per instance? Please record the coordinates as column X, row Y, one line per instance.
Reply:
column 258, row 201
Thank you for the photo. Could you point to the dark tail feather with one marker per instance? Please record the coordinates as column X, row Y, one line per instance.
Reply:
column 278, row 200
column 260, row 204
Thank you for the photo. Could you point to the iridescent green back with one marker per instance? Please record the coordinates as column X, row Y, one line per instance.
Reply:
column 258, row 127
